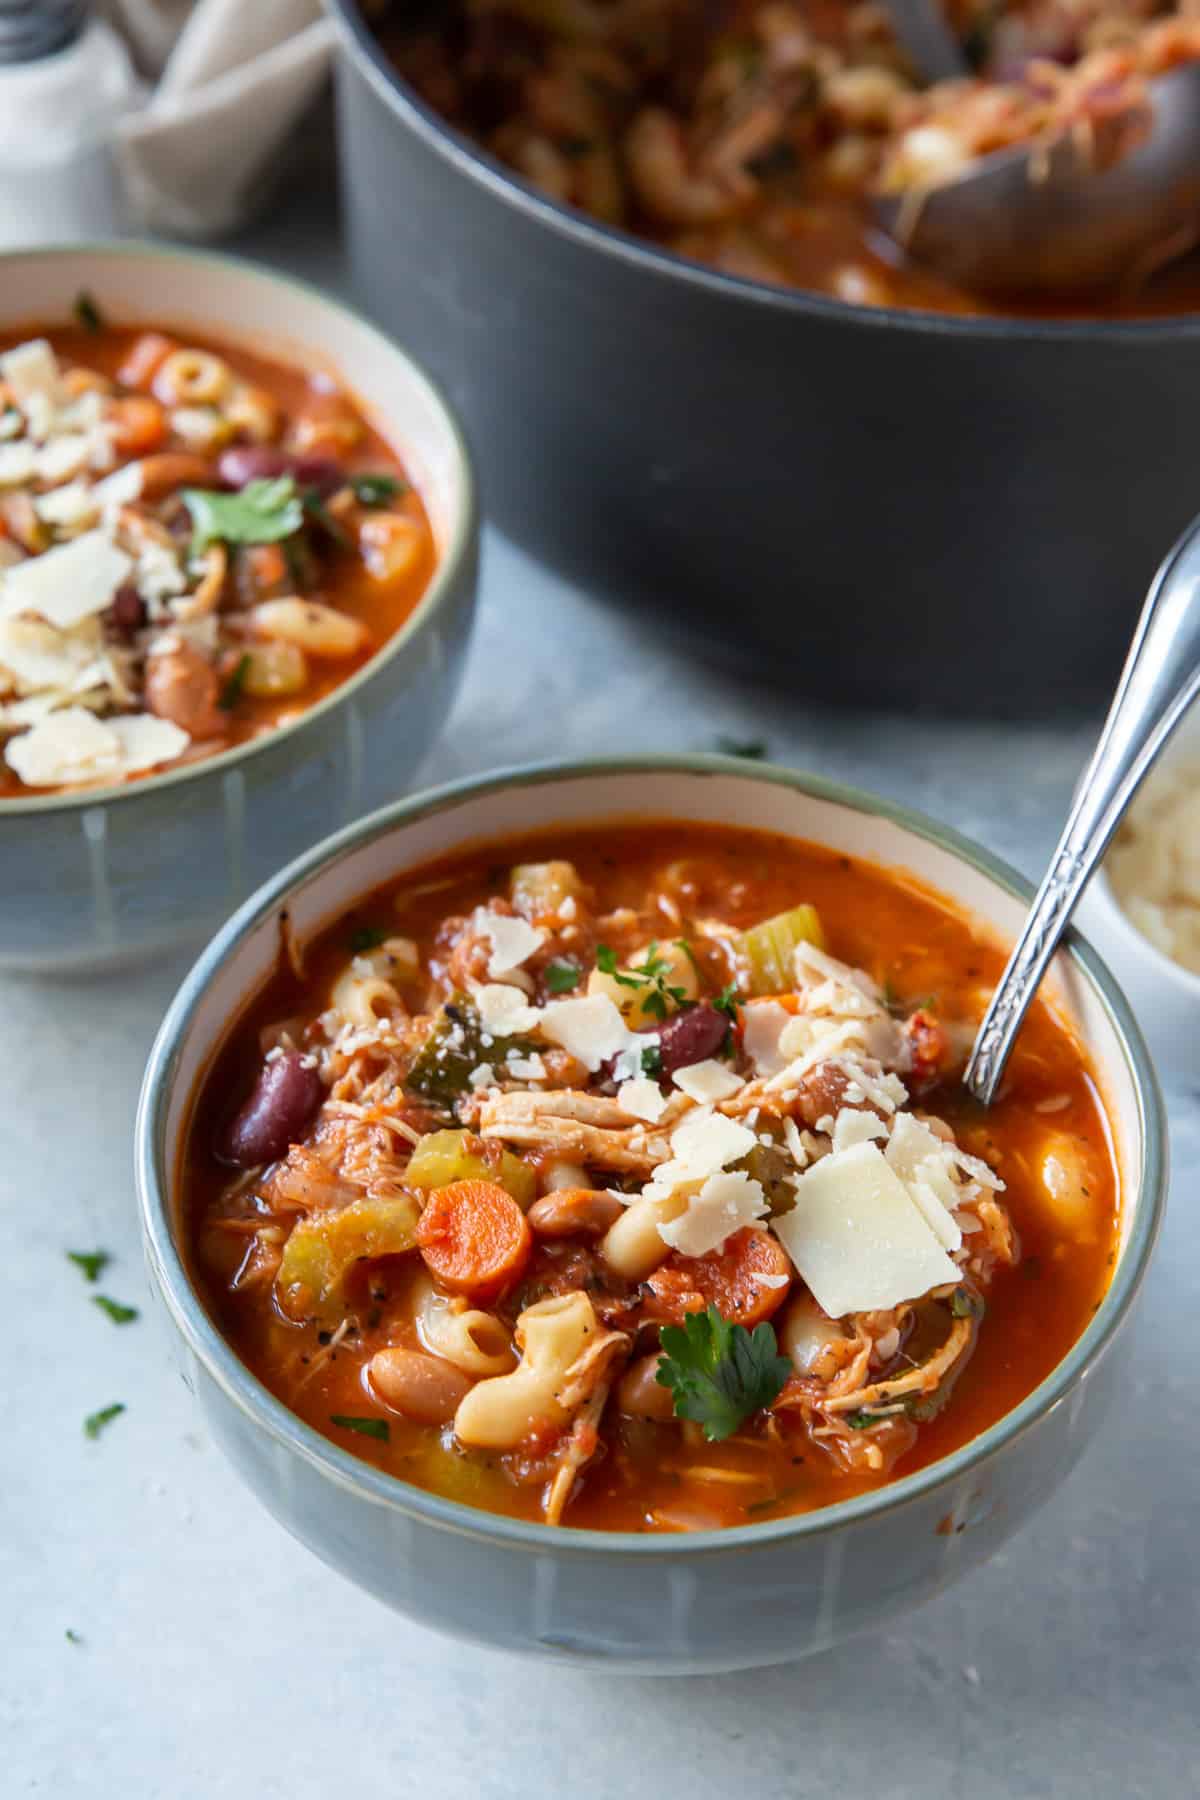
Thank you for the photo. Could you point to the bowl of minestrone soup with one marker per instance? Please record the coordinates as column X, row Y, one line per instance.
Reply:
column 578, row 1233
column 237, row 563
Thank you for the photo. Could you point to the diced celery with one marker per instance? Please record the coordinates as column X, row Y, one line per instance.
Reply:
column 322, row 1249
column 768, row 947
column 539, row 888
column 442, row 1157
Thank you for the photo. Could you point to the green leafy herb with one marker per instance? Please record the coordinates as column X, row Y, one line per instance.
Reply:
column 367, row 937
column 862, row 1420
column 656, row 994
column 118, row 1312
column 372, row 1428
column 752, row 749
column 316, row 510
column 231, row 693
column 262, row 512
column 92, row 1262
column 87, row 312
column 727, row 1000
column 719, row 1373
column 72, row 1637
column 95, row 1422
column 377, row 490
column 562, row 976
column 966, row 1305
column 652, row 1060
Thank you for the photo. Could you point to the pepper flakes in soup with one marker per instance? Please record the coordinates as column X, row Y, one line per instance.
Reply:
column 625, row 1179
column 196, row 543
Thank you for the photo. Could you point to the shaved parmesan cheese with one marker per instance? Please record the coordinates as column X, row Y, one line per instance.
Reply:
column 701, row 1146
column 857, row 1237
column 17, row 464
column 68, row 583
column 763, row 1279
column 29, row 370
column 482, row 1075
column 158, row 575
column 504, row 1010
column 72, row 745
column 853, row 1126
column 590, row 1028
column 795, row 1143
column 120, row 488
column 145, row 740
column 39, row 658
column 708, row 1081
column 763, row 1022
column 524, row 1068
column 69, row 505
column 642, row 1099
column 725, row 1204
column 512, row 941
column 64, row 457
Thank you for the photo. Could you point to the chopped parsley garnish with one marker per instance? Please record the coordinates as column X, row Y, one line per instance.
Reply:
column 652, row 1060
column 862, row 1420
column 372, row 1428
column 92, row 1262
column 262, row 512
column 752, row 749
column 367, row 937
column 316, row 509
column 377, row 490
column 656, row 994
column 87, row 312
column 95, row 1422
column 720, row 1373
column 966, row 1305
column 118, row 1312
column 231, row 693
column 727, row 1000
column 562, row 976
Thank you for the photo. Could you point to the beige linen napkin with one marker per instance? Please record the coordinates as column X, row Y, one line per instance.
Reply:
column 231, row 77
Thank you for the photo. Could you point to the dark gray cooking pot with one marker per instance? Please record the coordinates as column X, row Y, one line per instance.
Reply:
column 874, row 506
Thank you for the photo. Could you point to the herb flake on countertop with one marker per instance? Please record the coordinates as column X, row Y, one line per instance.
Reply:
column 92, row 1262
column 118, row 1312
column 96, row 1422
column 72, row 1637
column 750, row 749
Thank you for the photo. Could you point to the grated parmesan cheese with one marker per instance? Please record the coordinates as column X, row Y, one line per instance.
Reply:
column 591, row 1029
column 66, row 584
column 504, row 1011
column 72, row 745
column 642, row 1099
column 512, row 941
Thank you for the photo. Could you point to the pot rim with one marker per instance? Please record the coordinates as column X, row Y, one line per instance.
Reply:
column 271, row 1416
column 441, row 590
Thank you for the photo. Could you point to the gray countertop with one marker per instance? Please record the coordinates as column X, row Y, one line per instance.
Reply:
column 218, row 1658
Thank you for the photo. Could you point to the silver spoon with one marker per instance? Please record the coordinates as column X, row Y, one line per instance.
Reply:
column 1160, row 680
column 1049, row 219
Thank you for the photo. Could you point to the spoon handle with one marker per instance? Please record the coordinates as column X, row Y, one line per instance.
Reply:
column 1160, row 679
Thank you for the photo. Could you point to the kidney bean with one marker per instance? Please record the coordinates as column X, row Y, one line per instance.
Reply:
column 258, row 462
column 127, row 613
column 691, row 1036
column 284, row 1098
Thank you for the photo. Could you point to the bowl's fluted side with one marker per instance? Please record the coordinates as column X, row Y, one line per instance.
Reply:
column 958, row 514
column 92, row 887
column 739, row 1608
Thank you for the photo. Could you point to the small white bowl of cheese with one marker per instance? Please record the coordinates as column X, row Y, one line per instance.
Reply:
column 1142, row 909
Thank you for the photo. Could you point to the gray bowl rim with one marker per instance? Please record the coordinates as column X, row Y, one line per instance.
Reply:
column 443, row 583
column 505, row 184
column 270, row 1415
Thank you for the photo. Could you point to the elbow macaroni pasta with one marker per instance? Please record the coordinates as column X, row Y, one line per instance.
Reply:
column 500, row 1413
column 475, row 1341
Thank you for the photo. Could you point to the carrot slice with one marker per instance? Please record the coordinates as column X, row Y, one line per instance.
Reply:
column 137, row 425
column 474, row 1238
column 729, row 1279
